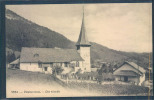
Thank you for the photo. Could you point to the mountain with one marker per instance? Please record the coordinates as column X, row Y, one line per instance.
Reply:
column 21, row 32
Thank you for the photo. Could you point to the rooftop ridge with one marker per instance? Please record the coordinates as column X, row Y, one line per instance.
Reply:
column 46, row 48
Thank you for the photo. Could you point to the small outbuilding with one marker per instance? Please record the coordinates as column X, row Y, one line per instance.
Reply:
column 15, row 63
column 130, row 72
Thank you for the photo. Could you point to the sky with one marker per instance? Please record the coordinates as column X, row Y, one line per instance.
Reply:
column 119, row 26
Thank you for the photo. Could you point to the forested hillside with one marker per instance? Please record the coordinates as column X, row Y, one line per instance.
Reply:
column 21, row 32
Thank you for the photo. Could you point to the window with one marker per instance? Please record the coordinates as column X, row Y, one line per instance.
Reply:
column 77, row 64
column 120, row 78
column 61, row 64
column 66, row 64
column 40, row 65
column 36, row 55
column 45, row 68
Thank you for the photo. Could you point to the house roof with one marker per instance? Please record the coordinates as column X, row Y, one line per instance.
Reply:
column 127, row 73
column 15, row 62
column 83, row 40
column 49, row 55
column 135, row 66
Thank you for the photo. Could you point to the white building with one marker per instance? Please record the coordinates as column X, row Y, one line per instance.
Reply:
column 130, row 72
column 83, row 47
column 44, row 59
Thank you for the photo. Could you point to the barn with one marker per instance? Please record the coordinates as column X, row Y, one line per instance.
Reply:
column 44, row 59
column 130, row 72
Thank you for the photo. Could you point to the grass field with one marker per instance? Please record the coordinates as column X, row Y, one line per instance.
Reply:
column 23, row 81
column 34, row 81
column 110, row 89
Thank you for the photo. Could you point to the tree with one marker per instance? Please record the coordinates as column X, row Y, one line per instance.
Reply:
column 10, row 57
column 99, row 79
column 13, row 57
column 109, row 68
column 46, row 45
column 115, row 66
column 104, row 69
column 57, row 70
column 79, row 71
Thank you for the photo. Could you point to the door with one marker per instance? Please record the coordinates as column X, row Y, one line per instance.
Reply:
column 45, row 68
column 125, row 78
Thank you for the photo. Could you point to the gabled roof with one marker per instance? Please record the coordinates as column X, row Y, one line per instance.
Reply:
column 83, row 40
column 15, row 62
column 135, row 66
column 49, row 55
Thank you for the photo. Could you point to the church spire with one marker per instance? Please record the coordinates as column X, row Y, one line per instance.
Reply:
column 83, row 40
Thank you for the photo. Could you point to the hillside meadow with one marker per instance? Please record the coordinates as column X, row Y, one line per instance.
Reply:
column 24, row 81
column 21, row 32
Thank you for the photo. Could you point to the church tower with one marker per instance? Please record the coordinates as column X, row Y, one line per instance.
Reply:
column 83, row 47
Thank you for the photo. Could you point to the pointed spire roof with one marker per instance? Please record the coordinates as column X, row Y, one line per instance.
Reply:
column 83, row 40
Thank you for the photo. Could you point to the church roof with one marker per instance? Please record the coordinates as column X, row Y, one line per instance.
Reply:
column 49, row 55
column 83, row 40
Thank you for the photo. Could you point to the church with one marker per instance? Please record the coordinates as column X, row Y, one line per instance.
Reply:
column 44, row 59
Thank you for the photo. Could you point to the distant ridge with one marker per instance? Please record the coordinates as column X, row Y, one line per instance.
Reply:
column 21, row 32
